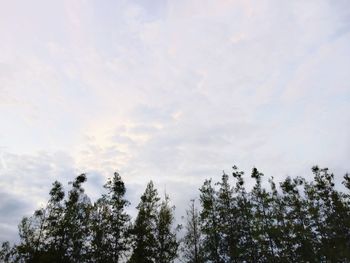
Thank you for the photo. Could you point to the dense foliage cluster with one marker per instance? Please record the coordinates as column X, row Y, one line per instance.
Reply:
column 294, row 221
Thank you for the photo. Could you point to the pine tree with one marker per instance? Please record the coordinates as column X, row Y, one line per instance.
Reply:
column 345, row 213
column 76, row 223
column 110, row 223
column 27, row 234
column 54, row 231
column 333, row 220
column 210, row 222
column 8, row 254
column 192, row 245
column 246, row 247
column 167, row 245
column 39, row 232
column 144, row 229
column 227, row 211
column 306, row 222
column 101, row 248
column 262, row 220
column 279, row 231
column 31, row 235
column 338, row 222
column 299, row 217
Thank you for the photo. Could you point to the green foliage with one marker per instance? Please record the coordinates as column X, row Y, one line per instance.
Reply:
column 192, row 243
column 167, row 245
column 144, row 229
column 154, row 239
column 210, row 223
column 293, row 221
column 7, row 253
column 76, row 223
column 110, row 224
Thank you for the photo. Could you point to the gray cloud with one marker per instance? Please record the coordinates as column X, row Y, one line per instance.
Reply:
column 12, row 208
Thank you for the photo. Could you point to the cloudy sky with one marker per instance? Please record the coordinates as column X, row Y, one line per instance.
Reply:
column 174, row 91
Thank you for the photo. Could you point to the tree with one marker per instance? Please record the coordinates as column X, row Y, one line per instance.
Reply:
column 298, row 217
column 279, row 231
column 332, row 223
column 144, row 229
column 227, row 212
column 262, row 220
column 76, row 223
column 167, row 245
column 39, row 233
column 192, row 245
column 210, row 222
column 7, row 253
column 246, row 246
column 54, row 228
column 302, row 221
column 31, row 247
column 110, row 223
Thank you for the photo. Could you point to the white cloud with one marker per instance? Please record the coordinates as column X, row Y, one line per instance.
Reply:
column 172, row 91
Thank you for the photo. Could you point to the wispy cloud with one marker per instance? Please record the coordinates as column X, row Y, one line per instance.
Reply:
column 174, row 91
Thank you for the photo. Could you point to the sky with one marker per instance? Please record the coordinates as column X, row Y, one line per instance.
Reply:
column 169, row 91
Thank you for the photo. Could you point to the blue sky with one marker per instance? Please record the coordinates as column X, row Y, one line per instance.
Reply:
column 174, row 91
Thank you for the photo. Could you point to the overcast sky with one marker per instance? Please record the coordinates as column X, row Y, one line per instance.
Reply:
column 174, row 91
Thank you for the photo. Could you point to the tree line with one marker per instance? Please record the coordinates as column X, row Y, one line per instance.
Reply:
column 295, row 220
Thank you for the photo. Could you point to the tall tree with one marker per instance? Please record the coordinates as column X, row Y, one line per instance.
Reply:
column 110, row 223
column 54, row 228
column 262, row 220
column 246, row 246
column 76, row 223
column 30, row 231
column 279, row 231
column 144, row 229
column 333, row 223
column 227, row 212
column 192, row 243
column 167, row 245
column 298, row 218
column 210, row 222
column 304, row 222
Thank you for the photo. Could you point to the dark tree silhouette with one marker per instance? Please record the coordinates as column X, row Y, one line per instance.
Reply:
column 295, row 220
column 192, row 244
column 110, row 224
column 144, row 229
